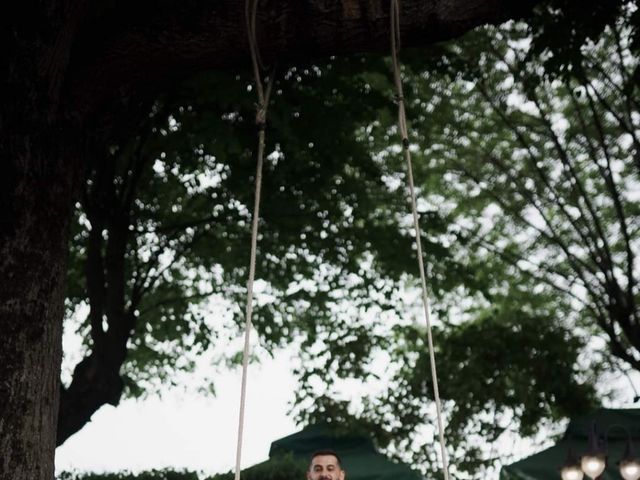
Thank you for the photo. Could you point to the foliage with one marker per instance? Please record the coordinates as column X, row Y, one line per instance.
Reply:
column 163, row 226
column 147, row 475
column 279, row 468
column 531, row 234
column 536, row 178
column 561, row 28
column 544, row 180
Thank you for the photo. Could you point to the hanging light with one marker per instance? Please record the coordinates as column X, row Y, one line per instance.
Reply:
column 629, row 470
column 593, row 465
column 595, row 461
column 572, row 472
column 571, row 469
column 630, row 464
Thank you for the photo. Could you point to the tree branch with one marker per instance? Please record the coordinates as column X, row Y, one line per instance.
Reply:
column 161, row 42
column 170, row 300
column 574, row 178
column 553, row 239
column 514, row 261
column 615, row 196
column 590, row 239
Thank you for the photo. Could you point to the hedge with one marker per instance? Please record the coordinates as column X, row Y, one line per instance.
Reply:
column 282, row 468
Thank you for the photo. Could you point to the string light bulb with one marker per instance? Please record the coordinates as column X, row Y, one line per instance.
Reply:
column 629, row 470
column 571, row 469
column 630, row 464
column 593, row 465
column 594, row 462
column 571, row 472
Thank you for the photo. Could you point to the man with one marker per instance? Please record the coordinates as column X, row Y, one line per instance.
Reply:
column 325, row 465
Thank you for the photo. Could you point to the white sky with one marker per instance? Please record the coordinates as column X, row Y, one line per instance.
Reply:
column 187, row 431
column 193, row 432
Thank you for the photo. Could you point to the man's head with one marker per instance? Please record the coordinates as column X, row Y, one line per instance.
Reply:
column 325, row 465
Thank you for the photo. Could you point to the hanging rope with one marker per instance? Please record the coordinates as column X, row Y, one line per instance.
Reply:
column 402, row 125
column 251, row 8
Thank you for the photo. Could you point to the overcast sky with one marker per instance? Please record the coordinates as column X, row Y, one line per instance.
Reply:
column 186, row 430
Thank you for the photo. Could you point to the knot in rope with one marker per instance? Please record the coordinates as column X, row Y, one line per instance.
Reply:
column 261, row 116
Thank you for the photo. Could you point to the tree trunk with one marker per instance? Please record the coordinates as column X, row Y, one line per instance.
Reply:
column 36, row 189
column 160, row 42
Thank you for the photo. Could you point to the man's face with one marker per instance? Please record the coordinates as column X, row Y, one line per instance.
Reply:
column 325, row 467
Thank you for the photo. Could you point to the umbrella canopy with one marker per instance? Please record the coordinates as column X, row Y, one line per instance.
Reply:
column 360, row 458
column 546, row 465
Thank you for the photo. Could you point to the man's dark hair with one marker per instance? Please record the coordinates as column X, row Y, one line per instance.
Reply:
column 318, row 453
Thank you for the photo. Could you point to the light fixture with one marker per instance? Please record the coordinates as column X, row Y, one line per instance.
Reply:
column 571, row 468
column 571, row 473
column 593, row 465
column 629, row 470
column 594, row 461
column 630, row 464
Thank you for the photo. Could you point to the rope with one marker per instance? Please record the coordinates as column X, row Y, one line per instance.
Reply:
column 402, row 124
column 251, row 7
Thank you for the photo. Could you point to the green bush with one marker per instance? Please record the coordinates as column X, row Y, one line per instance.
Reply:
column 149, row 475
column 280, row 468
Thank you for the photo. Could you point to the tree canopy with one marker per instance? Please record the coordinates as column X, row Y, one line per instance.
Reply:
column 79, row 78
column 507, row 225
column 535, row 174
column 162, row 226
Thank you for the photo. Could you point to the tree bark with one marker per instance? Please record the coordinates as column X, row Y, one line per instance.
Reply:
column 37, row 186
column 154, row 42
column 40, row 157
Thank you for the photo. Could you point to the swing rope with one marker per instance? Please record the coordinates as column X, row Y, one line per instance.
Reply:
column 402, row 125
column 263, row 94
column 251, row 8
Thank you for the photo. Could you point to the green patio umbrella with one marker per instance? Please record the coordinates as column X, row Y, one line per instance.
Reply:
column 546, row 465
column 360, row 458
